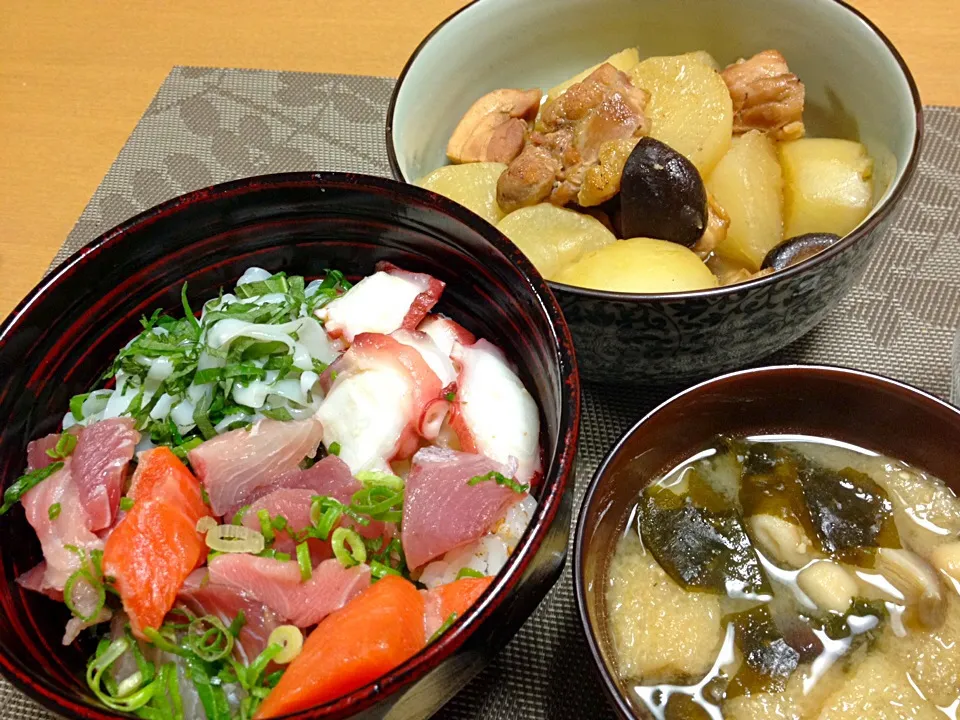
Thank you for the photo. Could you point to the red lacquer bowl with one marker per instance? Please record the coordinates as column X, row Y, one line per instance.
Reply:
column 65, row 333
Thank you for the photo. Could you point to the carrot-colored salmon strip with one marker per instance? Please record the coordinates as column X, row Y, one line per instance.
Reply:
column 458, row 596
column 381, row 628
column 156, row 545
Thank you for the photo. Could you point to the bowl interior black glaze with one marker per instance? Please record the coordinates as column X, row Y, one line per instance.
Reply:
column 65, row 334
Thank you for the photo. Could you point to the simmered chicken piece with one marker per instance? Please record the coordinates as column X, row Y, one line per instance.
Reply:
column 495, row 127
column 766, row 96
column 604, row 107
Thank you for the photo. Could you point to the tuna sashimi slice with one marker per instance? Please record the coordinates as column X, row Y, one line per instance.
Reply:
column 37, row 456
column 493, row 414
column 70, row 527
column 380, row 391
column 329, row 476
column 226, row 603
column 441, row 510
column 278, row 585
column 234, row 465
column 155, row 547
column 100, row 461
column 386, row 301
column 375, row 633
column 452, row 599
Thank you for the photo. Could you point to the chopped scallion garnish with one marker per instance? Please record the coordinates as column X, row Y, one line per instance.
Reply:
column 348, row 547
column 468, row 572
column 500, row 479
column 65, row 446
column 451, row 619
column 53, row 512
column 304, row 561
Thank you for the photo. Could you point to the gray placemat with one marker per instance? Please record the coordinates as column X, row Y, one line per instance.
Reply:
column 209, row 125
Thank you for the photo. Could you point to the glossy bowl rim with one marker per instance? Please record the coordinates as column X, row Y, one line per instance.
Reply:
column 554, row 486
column 610, row 686
column 879, row 213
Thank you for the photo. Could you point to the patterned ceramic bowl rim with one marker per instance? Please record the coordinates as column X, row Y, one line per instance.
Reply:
column 878, row 216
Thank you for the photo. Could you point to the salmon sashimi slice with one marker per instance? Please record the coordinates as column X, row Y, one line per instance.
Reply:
column 156, row 545
column 380, row 629
column 450, row 601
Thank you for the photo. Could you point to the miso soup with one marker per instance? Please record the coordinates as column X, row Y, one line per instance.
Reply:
column 789, row 577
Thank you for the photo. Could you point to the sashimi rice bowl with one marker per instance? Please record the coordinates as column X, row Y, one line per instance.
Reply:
column 275, row 499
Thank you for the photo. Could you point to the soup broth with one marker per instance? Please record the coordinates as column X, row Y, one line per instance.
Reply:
column 789, row 577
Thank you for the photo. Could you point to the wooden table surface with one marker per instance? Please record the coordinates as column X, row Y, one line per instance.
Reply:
column 75, row 77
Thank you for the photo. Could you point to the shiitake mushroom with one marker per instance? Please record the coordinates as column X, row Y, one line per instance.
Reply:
column 662, row 195
column 795, row 249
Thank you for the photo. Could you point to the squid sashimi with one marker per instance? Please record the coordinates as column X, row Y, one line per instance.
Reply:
column 386, row 301
column 372, row 635
column 234, row 465
column 327, row 461
column 227, row 604
column 494, row 413
column 449, row 602
column 380, row 391
column 62, row 525
column 445, row 508
column 156, row 545
column 279, row 585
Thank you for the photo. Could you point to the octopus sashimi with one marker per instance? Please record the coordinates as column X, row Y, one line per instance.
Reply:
column 71, row 527
column 493, row 413
column 234, row 465
column 442, row 510
column 386, row 301
column 446, row 332
column 380, row 391
column 278, row 585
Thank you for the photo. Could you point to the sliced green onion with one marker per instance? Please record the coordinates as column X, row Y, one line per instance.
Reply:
column 126, row 503
column 209, row 638
column 450, row 396
column 64, row 447
column 107, row 654
column 235, row 539
column 500, row 479
column 158, row 640
column 290, row 638
column 76, row 405
column 451, row 619
column 53, row 512
column 238, row 517
column 344, row 538
column 374, row 478
column 469, row 573
column 266, row 525
column 237, row 625
column 325, row 513
column 379, row 570
column 12, row 494
column 334, row 448
column 84, row 575
column 304, row 561
column 183, row 448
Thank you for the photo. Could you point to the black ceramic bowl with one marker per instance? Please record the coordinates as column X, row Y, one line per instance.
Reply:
column 65, row 333
column 857, row 87
column 858, row 408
